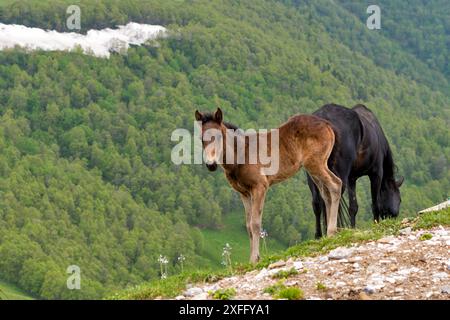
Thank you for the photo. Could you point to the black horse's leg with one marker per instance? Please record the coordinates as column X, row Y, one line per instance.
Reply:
column 352, row 201
column 375, row 186
column 317, row 204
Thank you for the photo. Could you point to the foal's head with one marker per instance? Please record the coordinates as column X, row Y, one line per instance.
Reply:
column 211, row 136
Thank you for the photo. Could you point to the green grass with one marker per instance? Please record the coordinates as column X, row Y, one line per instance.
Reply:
column 10, row 292
column 284, row 274
column 234, row 233
column 320, row 286
column 280, row 291
column 223, row 294
column 425, row 236
column 176, row 284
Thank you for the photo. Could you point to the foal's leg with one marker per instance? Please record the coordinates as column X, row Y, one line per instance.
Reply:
column 352, row 201
column 333, row 186
column 257, row 204
column 317, row 204
column 246, row 200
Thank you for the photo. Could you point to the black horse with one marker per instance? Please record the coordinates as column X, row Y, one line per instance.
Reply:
column 360, row 149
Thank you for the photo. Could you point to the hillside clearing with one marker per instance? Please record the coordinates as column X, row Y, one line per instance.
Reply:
column 10, row 292
column 393, row 237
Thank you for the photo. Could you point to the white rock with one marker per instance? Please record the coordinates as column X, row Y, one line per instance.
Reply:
column 180, row 297
column 201, row 296
column 405, row 231
column 193, row 292
column 355, row 259
column 370, row 289
column 440, row 275
column 340, row 253
column 385, row 261
column 386, row 240
column 407, row 271
column 390, row 279
column 445, row 289
column 298, row 265
column 441, row 232
column 262, row 274
column 277, row 264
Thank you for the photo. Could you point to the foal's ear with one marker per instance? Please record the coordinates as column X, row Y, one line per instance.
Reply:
column 218, row 116
column 198, row 115
column 399, row 182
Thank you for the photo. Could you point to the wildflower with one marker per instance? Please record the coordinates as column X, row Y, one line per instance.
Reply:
column 163, row 261
column 226, row 255
column 181, row 259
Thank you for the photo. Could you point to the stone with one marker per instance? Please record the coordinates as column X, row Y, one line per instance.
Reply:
column 440, row 276
column 193, row 292
column 262, row 274
column 370, row 289
column 180, row 297
column 340, row 253
column 201, row 296
column 406, row 231
column 386, row 240
column 445, row 289
column 277, row 264
column 385, row 261
column 354, row 259
column 298, row 265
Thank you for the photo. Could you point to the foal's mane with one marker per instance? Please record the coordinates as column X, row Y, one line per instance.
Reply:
column 209, row 116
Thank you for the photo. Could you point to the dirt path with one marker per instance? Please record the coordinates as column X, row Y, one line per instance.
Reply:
column 405, row 267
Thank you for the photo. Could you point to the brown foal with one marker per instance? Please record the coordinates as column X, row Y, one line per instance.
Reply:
column 303, row 141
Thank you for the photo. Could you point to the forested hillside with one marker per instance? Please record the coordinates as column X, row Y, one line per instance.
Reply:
column 85, row 171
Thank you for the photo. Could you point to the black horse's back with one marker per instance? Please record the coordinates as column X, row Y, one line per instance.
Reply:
column 348, row 130
column 361, row 148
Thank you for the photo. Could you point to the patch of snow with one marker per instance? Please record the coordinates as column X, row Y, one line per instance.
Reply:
column 97, row 42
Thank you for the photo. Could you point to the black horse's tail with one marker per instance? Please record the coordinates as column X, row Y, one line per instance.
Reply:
column 343, row 214
column 343, row 220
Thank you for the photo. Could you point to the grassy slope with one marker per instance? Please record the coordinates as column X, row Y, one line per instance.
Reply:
column 174, row 285
column 234, row 233
column 10, row 292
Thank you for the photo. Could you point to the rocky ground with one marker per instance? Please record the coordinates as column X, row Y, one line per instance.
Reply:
column 413, row 265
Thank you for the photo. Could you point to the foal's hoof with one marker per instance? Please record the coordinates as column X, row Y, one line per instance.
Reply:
column 331, row 233
column 254, row 260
